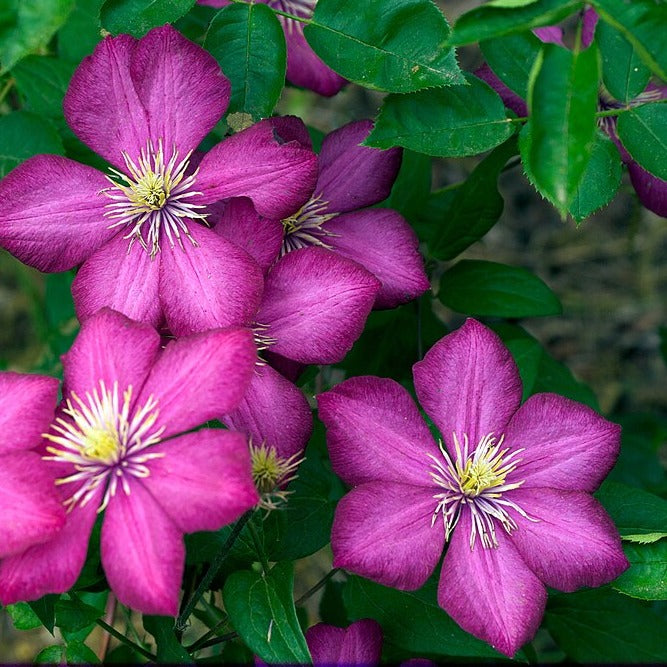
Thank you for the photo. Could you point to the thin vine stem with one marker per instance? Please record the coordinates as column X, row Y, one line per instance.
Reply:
column 204, row 584
column 317, row 586
column 258, row 548
column 122, row 638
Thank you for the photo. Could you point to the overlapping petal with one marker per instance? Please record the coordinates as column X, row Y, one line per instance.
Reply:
column 358, row 644
column 203, row 481
column 468, row 384
column 566, row 445
column 570, row 542
column 375, row 433
column 52, row 214
column 353, row 176
column 28, row 404
column 315, row 305
column 200, row 377
column 651, row 190
column 213, row 284
column 382, row 530
column 143, row 553
column 490, row 593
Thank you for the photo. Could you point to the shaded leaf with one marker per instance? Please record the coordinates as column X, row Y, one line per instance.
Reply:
column 647, row 577
column 50, row 654
column 23, row 617
column 81, row 32
column 45, row 609
column 77, row 653
column 137, row 17
column 169, row 649
column 643, row 132
column 43, row 82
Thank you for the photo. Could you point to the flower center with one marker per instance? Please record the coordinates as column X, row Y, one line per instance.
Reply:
column 103, row 442
column 153, row 196
column 305, row 227
column 477, row 480
column 271, row 473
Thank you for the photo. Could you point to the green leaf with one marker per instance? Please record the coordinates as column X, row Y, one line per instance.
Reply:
column 557, row 141
column 598, row 625
column 412, row 185
column 391, row 45
column 249, row 45
column 526, row 351
column 511, row 58
column 261, row 608
column 477, row 287
column 623, row 72
column 169, row 649
column 642, row 23
column 476, row 206
column 647, row 577
column 412, row 620
column 45, row 609
column 637, row 514
column 74, row 615
column 43, row 82
column 81, row 32
column 555, row 376
column 50, row 655
column 34, row 23
column 77, row 653
column 600, row 181
column 447, row 122
column 498, row 18
column 23, row 617
column 643, row 132
column 137, row 17
column 22, row 135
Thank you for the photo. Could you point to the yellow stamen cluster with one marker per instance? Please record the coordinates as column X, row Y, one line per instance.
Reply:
column 271, row 473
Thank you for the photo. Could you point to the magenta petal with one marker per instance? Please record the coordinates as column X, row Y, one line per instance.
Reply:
column 468, row 384
column 651, row 190
column 275, row 411
column 122, row 279
column 588, row 24
column 375, row 432
column 510, row 99
column 52, row 214
column 572, row 544
column 383, row 531
column 260, row 237
column 200, row 377
column 291, row 128
column 354, row 176
column 304, row 66
column 142, row 552
column 204, row 480
column 29, row 504
column 102, row 105
column 490, row 593
column 566, row 445
column 358, row 644
column 315, row 305
column 395, row 261
column 181, row 87
column 215, row 284
column 52, row 567
column 550, row 35
column 279, row 176
column 110, row 347
column 28, row 406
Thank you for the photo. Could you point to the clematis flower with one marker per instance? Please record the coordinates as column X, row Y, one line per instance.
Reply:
column 304, row 66
column 314, row 307
column 121, row 444
column 140, row 231
column 360, row 643
column 337, row 216
column 30, row 509
column 508, row 488
column 651, row 190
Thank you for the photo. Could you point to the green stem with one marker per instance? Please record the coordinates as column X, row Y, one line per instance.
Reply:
column 215, row 566
column 6, row 89
column 316, row 587
column 258, row 548
column 122, row 638
column 199, row 643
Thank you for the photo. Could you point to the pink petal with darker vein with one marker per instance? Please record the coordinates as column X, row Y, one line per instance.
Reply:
column 358, row 644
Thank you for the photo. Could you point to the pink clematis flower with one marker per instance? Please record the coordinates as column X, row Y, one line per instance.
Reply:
column 314, row 307
column 120, row 444
column 141, row 232
column 360, row 643
column 30, row 509
column 651, row 190
column 509, row 489
column 337, row 216
column 304, row 66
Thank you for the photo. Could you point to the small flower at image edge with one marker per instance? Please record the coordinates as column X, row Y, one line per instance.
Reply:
column 508, row 488
column 122, row 443
column 30, row 508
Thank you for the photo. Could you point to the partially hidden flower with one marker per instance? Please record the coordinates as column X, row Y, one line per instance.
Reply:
column 141, row 232
column 313, row 309
column 304, row 66
column 338, row 215
column 30, row 509
column 122, row 443
column 651, row 190
column 508, row 487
